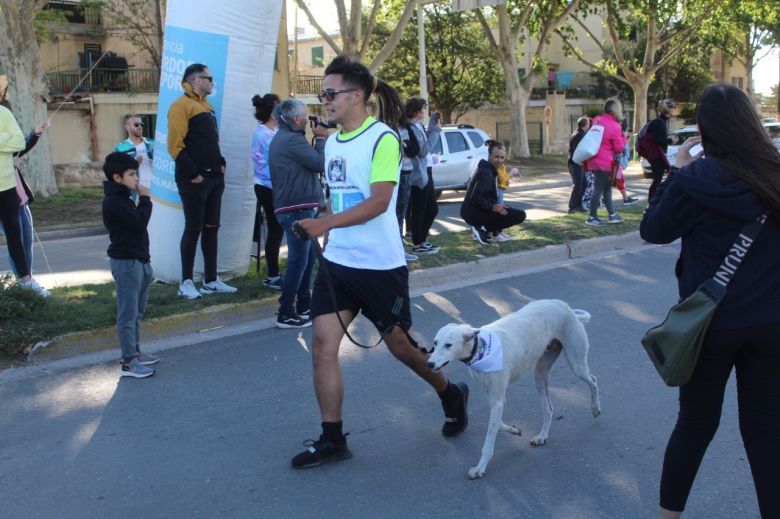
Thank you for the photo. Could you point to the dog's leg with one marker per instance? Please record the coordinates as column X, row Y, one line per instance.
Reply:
column 496, row 410
column 542, row 379
column 576, row 351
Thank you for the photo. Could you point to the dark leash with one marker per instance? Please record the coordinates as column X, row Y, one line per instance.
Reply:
column 303, row 235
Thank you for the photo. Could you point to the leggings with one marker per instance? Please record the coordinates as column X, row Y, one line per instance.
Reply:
column 577, row 185
column 658, row 168
column 265, row 201
column 755, row 353
column 9, row 217
column 424, row 210
column 601, row 188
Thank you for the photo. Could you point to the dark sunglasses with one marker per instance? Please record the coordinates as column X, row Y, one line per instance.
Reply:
column 138, row 125
column 330, row 95
column 211, row 79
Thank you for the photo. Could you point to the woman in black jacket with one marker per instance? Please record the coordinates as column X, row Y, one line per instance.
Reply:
column 576, row 170
column 480, row 208
column 706, row 203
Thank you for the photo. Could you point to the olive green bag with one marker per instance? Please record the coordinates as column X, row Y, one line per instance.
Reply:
column 674, row 345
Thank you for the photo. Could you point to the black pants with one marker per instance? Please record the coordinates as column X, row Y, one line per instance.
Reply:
column 265, row 203
column 9, row 217
column 755, row 353
column 658, row 168
column 492, row 222
column 424, row 209
column 202, row 204
column 577, row 185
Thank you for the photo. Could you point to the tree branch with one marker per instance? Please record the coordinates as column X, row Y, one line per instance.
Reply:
column 369, row 29
column 488, row 33
column 395, row 37
column 325, row 36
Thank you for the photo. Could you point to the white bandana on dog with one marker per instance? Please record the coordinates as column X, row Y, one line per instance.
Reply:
column 489, row 355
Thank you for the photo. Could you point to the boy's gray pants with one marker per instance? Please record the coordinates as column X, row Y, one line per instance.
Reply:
column 132, row 292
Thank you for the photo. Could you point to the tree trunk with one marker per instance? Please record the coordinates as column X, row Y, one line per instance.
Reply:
column 517, row 97
column 640, row 88
column 27, row 88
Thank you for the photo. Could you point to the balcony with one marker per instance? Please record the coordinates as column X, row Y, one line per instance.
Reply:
column 308, row 84
column 74, row 12
column 128, row 80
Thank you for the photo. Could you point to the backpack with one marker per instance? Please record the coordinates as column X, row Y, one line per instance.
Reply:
column 589, row 145
column 644, row 144
column 411, row 146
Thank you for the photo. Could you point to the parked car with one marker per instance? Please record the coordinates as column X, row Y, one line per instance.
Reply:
column 683, row 134
column 460, row 149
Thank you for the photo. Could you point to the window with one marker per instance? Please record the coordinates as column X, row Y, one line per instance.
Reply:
column 456, row 142
column 317, row 57
column 436, row 150
column 738, row 81
column 150, row 123
column 476, row 139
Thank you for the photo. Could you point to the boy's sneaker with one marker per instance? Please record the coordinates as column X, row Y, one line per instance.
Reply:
column 134, row 368
column 502, row 237
column 147, row 359
column 33, row 285
column 292, row 321
column 321, row 451
column 188, row 290
column 456, row 412
column 480, row 235
column 432, row 246
column 217, row 286
column 594, row 221
column 615, row 218
column 424, row 248
column 273, row 283
column 410, row 257
column 630, row 200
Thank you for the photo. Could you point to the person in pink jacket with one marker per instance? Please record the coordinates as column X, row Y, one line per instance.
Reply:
column 601, row 164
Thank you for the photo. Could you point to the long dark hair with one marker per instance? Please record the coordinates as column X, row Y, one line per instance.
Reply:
column 390, row 106
column 732, row 134
column 264, row 106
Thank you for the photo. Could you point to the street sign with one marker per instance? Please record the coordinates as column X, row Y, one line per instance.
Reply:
column 465, row 5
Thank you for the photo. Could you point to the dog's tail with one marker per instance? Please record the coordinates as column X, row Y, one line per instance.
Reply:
column 582, row 315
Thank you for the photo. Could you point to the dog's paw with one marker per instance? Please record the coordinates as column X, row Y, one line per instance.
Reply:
column 538, row 441
column 596, row 412
column 513, row 429
column 476, row 473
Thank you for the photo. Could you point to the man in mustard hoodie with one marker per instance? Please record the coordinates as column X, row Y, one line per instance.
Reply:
column 193, row 142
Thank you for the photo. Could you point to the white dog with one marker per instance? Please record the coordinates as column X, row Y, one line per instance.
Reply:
column 500, row 352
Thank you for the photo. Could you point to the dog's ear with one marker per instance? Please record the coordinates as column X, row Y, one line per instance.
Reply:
column 469, row 334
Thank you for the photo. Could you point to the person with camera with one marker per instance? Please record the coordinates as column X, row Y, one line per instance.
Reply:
column 295, row 168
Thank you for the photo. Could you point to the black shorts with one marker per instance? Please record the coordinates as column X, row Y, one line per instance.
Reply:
column 382, row 295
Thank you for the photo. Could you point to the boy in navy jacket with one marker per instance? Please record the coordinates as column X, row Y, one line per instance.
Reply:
column 128, row 253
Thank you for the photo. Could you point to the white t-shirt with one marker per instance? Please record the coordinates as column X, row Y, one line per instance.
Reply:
column 145, row 168
column 353, row 161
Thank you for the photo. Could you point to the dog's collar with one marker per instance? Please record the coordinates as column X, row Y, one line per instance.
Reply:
column 473, row 349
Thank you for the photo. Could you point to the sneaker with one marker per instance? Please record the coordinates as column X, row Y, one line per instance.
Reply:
column 455, row 412
column 615, row 218
column 304, row 314
column 217, row 286
column 424, row 248
column 630, row 200
column 480, row 235
column 410, row 257
column 321, row 451
column 431, row 245
column 134, row 368
column 292, row 321
column 273, row 283
column 502, row 237
column 594, row 221
column 188, row 290
column 33, row 285
column 147, row 359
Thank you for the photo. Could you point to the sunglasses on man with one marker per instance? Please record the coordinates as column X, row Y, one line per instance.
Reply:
column 330, row 94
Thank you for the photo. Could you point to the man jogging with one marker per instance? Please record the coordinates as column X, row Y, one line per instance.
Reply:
column 364, row 255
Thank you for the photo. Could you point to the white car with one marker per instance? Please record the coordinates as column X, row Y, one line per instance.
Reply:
column 683, row 134
column 460, row 149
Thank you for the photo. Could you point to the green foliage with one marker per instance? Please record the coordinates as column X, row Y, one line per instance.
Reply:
column 19, row 310
column 463, row 70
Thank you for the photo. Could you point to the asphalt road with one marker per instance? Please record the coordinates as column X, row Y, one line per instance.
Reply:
column 211, row 434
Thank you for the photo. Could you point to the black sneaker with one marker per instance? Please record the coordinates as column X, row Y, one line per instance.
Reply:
column 321, row 451
column 455, row 412
column 305, row 314
column 292, row 321
column 481, row 235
